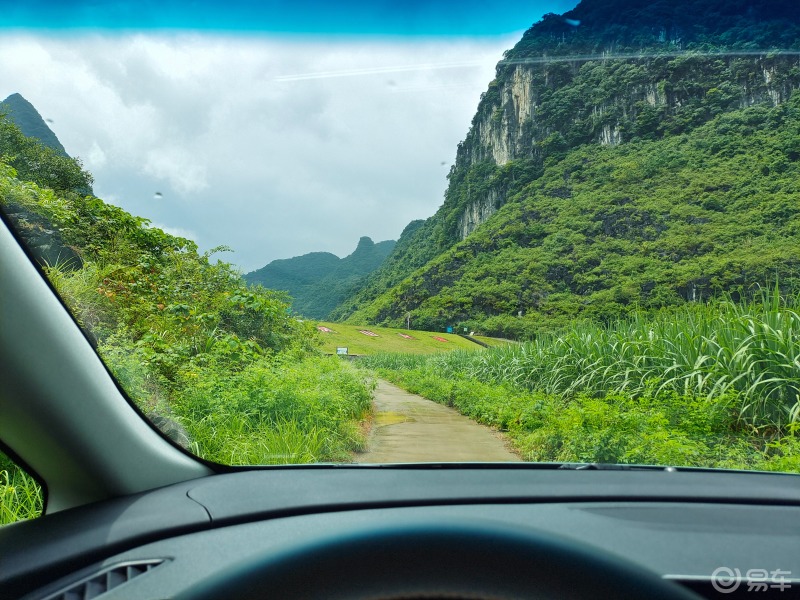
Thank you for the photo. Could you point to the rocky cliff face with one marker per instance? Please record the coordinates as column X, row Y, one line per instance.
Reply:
column 521, row 121
column 479, row 211
column 512, row 129
column 616, row 71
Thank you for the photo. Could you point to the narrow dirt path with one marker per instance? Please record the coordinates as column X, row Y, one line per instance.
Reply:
column 409, row 428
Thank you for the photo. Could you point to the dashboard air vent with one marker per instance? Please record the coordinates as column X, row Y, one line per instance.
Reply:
column 99, row 583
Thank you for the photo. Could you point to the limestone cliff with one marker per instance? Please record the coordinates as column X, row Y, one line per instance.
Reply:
column 608, row 79
column 538, row 107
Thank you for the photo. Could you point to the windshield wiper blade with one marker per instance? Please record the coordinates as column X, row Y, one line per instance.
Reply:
column 613, row 467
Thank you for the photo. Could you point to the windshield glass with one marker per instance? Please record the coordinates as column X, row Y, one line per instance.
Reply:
column 436, row 232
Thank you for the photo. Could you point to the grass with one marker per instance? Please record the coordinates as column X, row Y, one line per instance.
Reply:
column 707, row 385
column 747, row 352
column 389, row 340
column 276, row 413
column 244, row 442
column 712, row 385
column 20, row 495
column 614, row 429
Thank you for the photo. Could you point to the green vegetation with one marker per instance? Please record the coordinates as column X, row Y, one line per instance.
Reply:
column 715, row 385
column 618, row 174
column 643, row 159
column 389, row 340
column 275, row 412
column 611, row 230
column 221, row 367
column 414, row 249
column 318, row 281
column 33, row 161
column 23, row 114
column 20, row 495
column 629, row 26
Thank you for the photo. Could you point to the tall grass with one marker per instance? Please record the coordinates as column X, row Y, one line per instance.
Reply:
column 275, row 412
column 745, row 353
column 20, row 496
column 241, row 441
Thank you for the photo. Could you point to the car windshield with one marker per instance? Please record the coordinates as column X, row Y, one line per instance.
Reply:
column 550, row 232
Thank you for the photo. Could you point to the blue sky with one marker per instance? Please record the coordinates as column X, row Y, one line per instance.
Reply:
column 377, row 17
column 274, row 144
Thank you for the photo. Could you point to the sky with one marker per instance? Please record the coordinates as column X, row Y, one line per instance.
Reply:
column 274, row 141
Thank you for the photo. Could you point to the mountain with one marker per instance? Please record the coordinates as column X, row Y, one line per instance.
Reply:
column 627, row 155
column 22, row 113
column 318, row 281
column 44, row 158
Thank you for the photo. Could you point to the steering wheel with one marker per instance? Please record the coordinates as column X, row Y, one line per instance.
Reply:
column 437, row 560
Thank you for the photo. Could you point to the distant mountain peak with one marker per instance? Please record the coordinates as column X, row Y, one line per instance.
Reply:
column 25, row 116
column 318, row 281
column 365, row 244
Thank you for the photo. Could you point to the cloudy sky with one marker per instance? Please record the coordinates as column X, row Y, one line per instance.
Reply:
column 275, row 144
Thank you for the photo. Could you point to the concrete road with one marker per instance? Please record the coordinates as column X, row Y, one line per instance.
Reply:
column 409, row 428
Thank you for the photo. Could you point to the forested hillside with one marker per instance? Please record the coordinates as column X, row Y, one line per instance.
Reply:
column 318, row 281
column 223, row 368
column 634, row 157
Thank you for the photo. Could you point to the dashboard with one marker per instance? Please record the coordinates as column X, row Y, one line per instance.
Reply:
column 720, row 534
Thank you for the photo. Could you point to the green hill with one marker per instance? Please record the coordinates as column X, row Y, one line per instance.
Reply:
column 22, row 113
column 216, row 365
column 635, row 157
column 361, row 340
column 23, row 134
column 318, row 281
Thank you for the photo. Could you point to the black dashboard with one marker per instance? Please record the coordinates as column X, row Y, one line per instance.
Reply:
column 699, row 528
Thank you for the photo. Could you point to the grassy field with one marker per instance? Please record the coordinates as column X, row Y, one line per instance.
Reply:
column 389, row 340
column 714, row 385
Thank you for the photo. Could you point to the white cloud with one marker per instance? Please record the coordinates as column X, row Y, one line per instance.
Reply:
column 176, row 231
column 178, row 167
column 274, row 146
column 96, row 158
